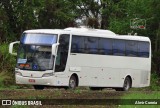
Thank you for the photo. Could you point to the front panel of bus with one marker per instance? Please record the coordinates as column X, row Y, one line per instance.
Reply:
column 35, row 60
column 37, row 65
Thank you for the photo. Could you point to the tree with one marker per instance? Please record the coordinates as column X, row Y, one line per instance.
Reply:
column 57, row 14
column 18, row 15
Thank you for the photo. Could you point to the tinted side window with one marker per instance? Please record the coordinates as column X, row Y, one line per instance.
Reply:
column 77, row 44
column 131, row 48
column 143, row 49
column 91, row 45
column 105, row 46
column 119, row 47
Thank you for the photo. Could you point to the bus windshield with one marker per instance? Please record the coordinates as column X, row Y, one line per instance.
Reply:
column 35, row 52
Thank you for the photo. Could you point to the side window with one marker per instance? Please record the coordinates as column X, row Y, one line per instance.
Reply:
column 105, row 46
column 77, row 44
column 91, row 45
column 62, row 53
column 119, row 47
column 143, row 49
column 131, row 48
column 84, row 44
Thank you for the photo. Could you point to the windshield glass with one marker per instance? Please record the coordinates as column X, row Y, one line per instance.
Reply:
column 35, row 57
column 35, row 52
column 38, row 38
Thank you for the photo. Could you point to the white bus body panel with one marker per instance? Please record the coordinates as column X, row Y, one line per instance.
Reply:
column 110, row 71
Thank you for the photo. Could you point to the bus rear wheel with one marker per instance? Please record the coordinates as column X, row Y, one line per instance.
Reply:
column 38, row 87
column 72, row 82
column 126, row 85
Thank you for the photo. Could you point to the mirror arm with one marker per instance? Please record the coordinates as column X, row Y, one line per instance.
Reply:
column 54, row 49
column 11, row 47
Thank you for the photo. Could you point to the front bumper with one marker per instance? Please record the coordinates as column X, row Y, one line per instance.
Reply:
column 35, row 81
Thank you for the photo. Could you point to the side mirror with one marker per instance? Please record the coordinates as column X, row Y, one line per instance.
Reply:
column 54, row 49
column 11, row 47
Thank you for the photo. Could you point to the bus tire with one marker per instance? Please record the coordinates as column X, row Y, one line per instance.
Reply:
column 38, row 87
column 126, row 85
column 72, row 82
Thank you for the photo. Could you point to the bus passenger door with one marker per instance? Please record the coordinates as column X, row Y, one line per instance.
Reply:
column 62, row 53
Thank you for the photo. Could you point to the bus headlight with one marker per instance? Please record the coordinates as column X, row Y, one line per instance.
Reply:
column 47, row 75
column 18, row 73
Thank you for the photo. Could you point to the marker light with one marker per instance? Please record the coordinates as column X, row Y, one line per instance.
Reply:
column 24, row 65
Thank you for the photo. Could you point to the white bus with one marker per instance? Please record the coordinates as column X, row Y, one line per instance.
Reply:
column 74, row 57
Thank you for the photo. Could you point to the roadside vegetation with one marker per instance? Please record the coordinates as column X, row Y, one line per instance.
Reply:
column 7, row 64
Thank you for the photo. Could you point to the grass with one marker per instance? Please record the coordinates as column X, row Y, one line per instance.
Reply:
column 3, row 77
column 77, row 91
column 142, row 96
column 19, row 106
column 7, row 82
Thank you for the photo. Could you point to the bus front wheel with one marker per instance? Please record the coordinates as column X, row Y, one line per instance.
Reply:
column 72, row 82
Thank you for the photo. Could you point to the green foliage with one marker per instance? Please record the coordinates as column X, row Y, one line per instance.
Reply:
column 3, row 76
column 56, row 14
column 156, row 62
column 17, row 16
column 6, row 66
column 8, row 63
column 142, row 95
column 119, row 26
column 155, row 82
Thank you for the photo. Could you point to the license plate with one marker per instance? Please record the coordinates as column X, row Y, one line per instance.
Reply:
column 32, row 80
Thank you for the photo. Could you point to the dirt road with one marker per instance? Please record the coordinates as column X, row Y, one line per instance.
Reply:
column 62, row 94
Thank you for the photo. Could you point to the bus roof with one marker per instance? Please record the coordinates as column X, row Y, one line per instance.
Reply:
column 89, row 32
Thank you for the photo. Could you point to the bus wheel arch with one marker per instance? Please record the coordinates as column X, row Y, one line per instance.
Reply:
column 73, row 81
